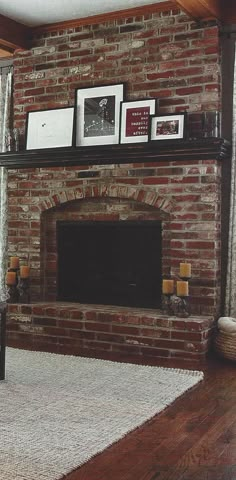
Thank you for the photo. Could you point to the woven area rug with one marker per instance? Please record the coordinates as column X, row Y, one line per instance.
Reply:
column 59, row 411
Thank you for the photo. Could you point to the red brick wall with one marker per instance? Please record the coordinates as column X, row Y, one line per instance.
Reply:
column 167, row 56
column 164, row 55
column 185, row 196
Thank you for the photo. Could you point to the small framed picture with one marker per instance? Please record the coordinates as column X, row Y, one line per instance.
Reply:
column 167, row 127
column 134, row 120
column 50, row 128
column 98, row 114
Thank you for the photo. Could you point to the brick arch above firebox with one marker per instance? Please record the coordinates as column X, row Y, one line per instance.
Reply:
column 93, row 205
column 142, row 194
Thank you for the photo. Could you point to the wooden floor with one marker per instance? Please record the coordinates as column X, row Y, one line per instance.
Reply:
column 194, row 439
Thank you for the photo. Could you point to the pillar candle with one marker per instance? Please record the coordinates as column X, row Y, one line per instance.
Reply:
column 24, row 271
column 14, row 262
column 185, row 270
column 167, row 287
column 11, row 278
column 182, row 289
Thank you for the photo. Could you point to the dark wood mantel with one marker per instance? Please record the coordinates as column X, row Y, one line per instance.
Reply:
column 170, row 151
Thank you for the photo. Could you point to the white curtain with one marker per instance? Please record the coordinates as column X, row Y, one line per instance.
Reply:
column 230, row 303
column 6, row 76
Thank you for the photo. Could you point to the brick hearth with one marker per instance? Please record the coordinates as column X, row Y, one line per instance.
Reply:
column 93, row 329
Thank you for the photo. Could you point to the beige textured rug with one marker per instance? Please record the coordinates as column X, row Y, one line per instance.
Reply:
column 59, row 411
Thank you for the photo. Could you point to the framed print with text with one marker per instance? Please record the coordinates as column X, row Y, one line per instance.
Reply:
column 98, row 114
column 50, row 128
column 134, row 120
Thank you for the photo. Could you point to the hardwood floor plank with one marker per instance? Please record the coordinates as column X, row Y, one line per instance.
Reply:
column 210, row 473
column 194, row 439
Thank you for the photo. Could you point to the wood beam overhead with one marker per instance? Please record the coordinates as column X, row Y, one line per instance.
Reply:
column 13, row 34
column 5, row 53
column 204, row 9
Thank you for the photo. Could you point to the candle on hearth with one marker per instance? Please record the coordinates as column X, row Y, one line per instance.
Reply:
column 185, row 270
column 14, row 262
column 167, row 287
column 24, row 271
column 182, row 289
column 11, row 278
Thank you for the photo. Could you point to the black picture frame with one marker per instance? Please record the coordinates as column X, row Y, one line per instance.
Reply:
column 167, row 127
column 98, row 114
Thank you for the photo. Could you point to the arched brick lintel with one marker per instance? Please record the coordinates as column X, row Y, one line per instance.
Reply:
column 144, row 195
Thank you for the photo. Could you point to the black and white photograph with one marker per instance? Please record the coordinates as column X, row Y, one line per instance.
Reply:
column 98, row 114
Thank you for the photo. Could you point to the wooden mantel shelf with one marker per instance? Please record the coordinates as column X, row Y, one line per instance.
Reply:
column 170, row 151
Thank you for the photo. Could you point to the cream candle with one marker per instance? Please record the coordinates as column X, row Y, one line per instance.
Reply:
column 11, row 278
column 167, row 287
column 182, row 289
column 14, row 262
column 185, row 270
column 24, row 271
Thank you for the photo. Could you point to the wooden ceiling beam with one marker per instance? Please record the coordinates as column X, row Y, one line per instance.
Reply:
column 204, row 9
column 13, row 34
column 4, row 53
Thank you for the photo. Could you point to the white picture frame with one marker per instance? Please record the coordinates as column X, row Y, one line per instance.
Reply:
column 134, row 119
column 98, row 114
column 50, row 128
column 167, row 127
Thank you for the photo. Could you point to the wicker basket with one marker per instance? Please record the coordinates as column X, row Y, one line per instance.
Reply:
column 225, row 344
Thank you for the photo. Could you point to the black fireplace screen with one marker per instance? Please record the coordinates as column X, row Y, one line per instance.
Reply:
column 110, row 263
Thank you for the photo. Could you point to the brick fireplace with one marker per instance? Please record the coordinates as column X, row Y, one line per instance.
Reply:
column 164, row 55
column 181, row 194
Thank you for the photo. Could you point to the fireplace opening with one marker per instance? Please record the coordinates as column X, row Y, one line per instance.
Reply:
column 110, row 263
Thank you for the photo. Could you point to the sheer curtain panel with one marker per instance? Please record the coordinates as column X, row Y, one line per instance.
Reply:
column 6, row 78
